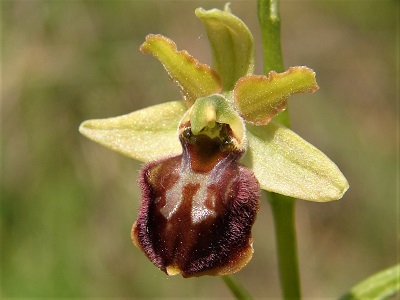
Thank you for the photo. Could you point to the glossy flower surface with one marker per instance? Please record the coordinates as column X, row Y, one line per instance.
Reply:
column 208, row 155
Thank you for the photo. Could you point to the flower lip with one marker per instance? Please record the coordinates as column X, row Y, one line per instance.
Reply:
column 198, row 208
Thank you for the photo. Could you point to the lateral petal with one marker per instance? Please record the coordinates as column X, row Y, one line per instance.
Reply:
column 194, row 79
column 260, row 98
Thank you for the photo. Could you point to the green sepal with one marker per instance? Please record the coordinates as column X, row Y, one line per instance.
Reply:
column 260, row 98
column 284, row 163
column 232, row 45
column 195, row 79
column 206, row 111
column 147, row 134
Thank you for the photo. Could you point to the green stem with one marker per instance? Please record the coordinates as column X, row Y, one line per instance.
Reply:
column 268, row 15
column 282, row 206
column 237, row 290
column 285, row 233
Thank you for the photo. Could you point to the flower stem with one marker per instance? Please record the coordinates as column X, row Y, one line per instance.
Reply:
column 237, row 290
column 282, row 206
column 268, row 15
column 283, row 213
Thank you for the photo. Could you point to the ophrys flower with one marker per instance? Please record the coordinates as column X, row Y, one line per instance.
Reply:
column 209, row 154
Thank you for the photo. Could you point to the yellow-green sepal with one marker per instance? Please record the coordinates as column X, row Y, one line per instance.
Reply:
column 195, row 79
column 260, row 98
column 147, row 134
column 284, row 163
column 232, row 45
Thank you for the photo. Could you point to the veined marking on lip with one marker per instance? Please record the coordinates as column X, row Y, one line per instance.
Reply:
column 203, row 200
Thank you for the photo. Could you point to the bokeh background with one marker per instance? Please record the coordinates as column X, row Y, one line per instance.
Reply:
column 68, row 204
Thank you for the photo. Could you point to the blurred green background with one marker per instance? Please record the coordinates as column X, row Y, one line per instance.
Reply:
column 68, row 204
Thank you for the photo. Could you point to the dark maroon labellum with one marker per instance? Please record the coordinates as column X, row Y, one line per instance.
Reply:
column 198, row 208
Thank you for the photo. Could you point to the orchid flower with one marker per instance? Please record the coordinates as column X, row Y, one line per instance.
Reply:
column 208, row 155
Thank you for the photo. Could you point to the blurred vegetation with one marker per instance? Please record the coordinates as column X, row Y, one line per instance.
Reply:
column 67, row 204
